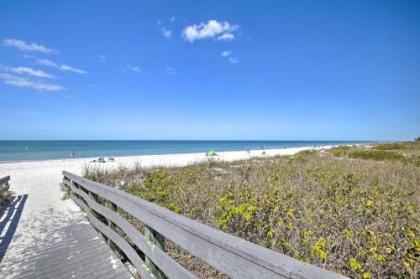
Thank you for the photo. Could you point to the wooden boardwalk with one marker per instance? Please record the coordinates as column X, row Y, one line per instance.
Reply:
column 79, row 252
column 69, row 250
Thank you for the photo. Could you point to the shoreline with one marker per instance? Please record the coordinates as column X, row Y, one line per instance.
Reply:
column 45, row 176
column 56, row 150
column 119, row 159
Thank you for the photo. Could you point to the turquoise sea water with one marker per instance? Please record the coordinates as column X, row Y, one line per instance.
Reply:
column 44, row 150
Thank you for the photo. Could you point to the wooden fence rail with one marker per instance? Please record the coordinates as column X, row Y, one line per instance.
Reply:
column 231, row 255
column 4, row 185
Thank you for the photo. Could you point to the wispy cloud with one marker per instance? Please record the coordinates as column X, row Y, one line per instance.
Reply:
column 233, row 60
column 212, row 29
column 166, row 32
column 28, row 83
column 131, row 68
column 230, row 58
column 61, row 67
column 28, row 56
column 25, row 71
column 31, row 72
column 226, row 37
column 30, row 47
column 102, row 58
column 226, row 53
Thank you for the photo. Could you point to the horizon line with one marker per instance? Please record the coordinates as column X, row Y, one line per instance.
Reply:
column 304, row 140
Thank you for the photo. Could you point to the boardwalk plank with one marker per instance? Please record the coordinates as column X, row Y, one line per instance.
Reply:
column 81, row 253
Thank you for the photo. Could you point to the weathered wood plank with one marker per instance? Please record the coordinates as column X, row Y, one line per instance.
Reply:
column 233, row 256
column 54, row 256
column 63, row 265
column 67, row 258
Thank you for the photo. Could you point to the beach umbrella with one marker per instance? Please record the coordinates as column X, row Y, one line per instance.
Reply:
column 212, row 153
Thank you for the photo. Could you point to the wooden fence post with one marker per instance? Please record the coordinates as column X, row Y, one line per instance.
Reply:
column 95, row 198
column 158, row 240
column 113, row 207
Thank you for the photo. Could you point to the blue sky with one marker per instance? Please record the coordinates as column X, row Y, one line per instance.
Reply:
column 285, row 70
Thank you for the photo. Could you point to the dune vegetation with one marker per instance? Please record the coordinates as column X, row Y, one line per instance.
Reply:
column 5, row 196
column 352, row 210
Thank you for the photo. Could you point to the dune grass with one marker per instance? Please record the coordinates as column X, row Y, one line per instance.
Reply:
column 351, row 210
column 405, row 152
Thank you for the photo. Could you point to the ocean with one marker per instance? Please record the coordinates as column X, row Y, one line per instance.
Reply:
column 47, row 149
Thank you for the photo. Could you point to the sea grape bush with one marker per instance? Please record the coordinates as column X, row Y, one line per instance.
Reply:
column 407, row 152
column 358, row 217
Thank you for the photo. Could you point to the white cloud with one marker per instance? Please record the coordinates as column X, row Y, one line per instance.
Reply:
column 31, row 47
column 28, row 56
column 102, row 58
column 166, row 33
column 233, row 60
column 230, row 58
column 226, row 37
column 71, row 69
column 213, row 28
column 27, row 83
column 226, row 53
column 131, row 68
column 48, row 63
column 61, row 67
column 31, row 72
column 134, row 68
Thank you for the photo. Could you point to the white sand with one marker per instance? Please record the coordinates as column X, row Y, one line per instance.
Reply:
column 40, row 180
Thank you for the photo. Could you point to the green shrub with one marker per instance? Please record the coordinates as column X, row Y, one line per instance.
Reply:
column 355, row 217
column 378, row 155
column 304, row 153
column 390, row 146
column 339, row 151
column 155, row 189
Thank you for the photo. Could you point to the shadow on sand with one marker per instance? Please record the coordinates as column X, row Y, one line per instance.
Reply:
column 9, row 222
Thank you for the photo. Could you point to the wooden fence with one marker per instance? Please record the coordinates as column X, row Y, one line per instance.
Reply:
column 4, row 186
column 235, row 257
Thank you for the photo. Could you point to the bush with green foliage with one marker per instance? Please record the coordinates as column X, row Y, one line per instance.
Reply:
column 403, row 152
column 351, row 210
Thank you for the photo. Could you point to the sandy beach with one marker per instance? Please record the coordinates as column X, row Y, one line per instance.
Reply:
column 40, row 181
